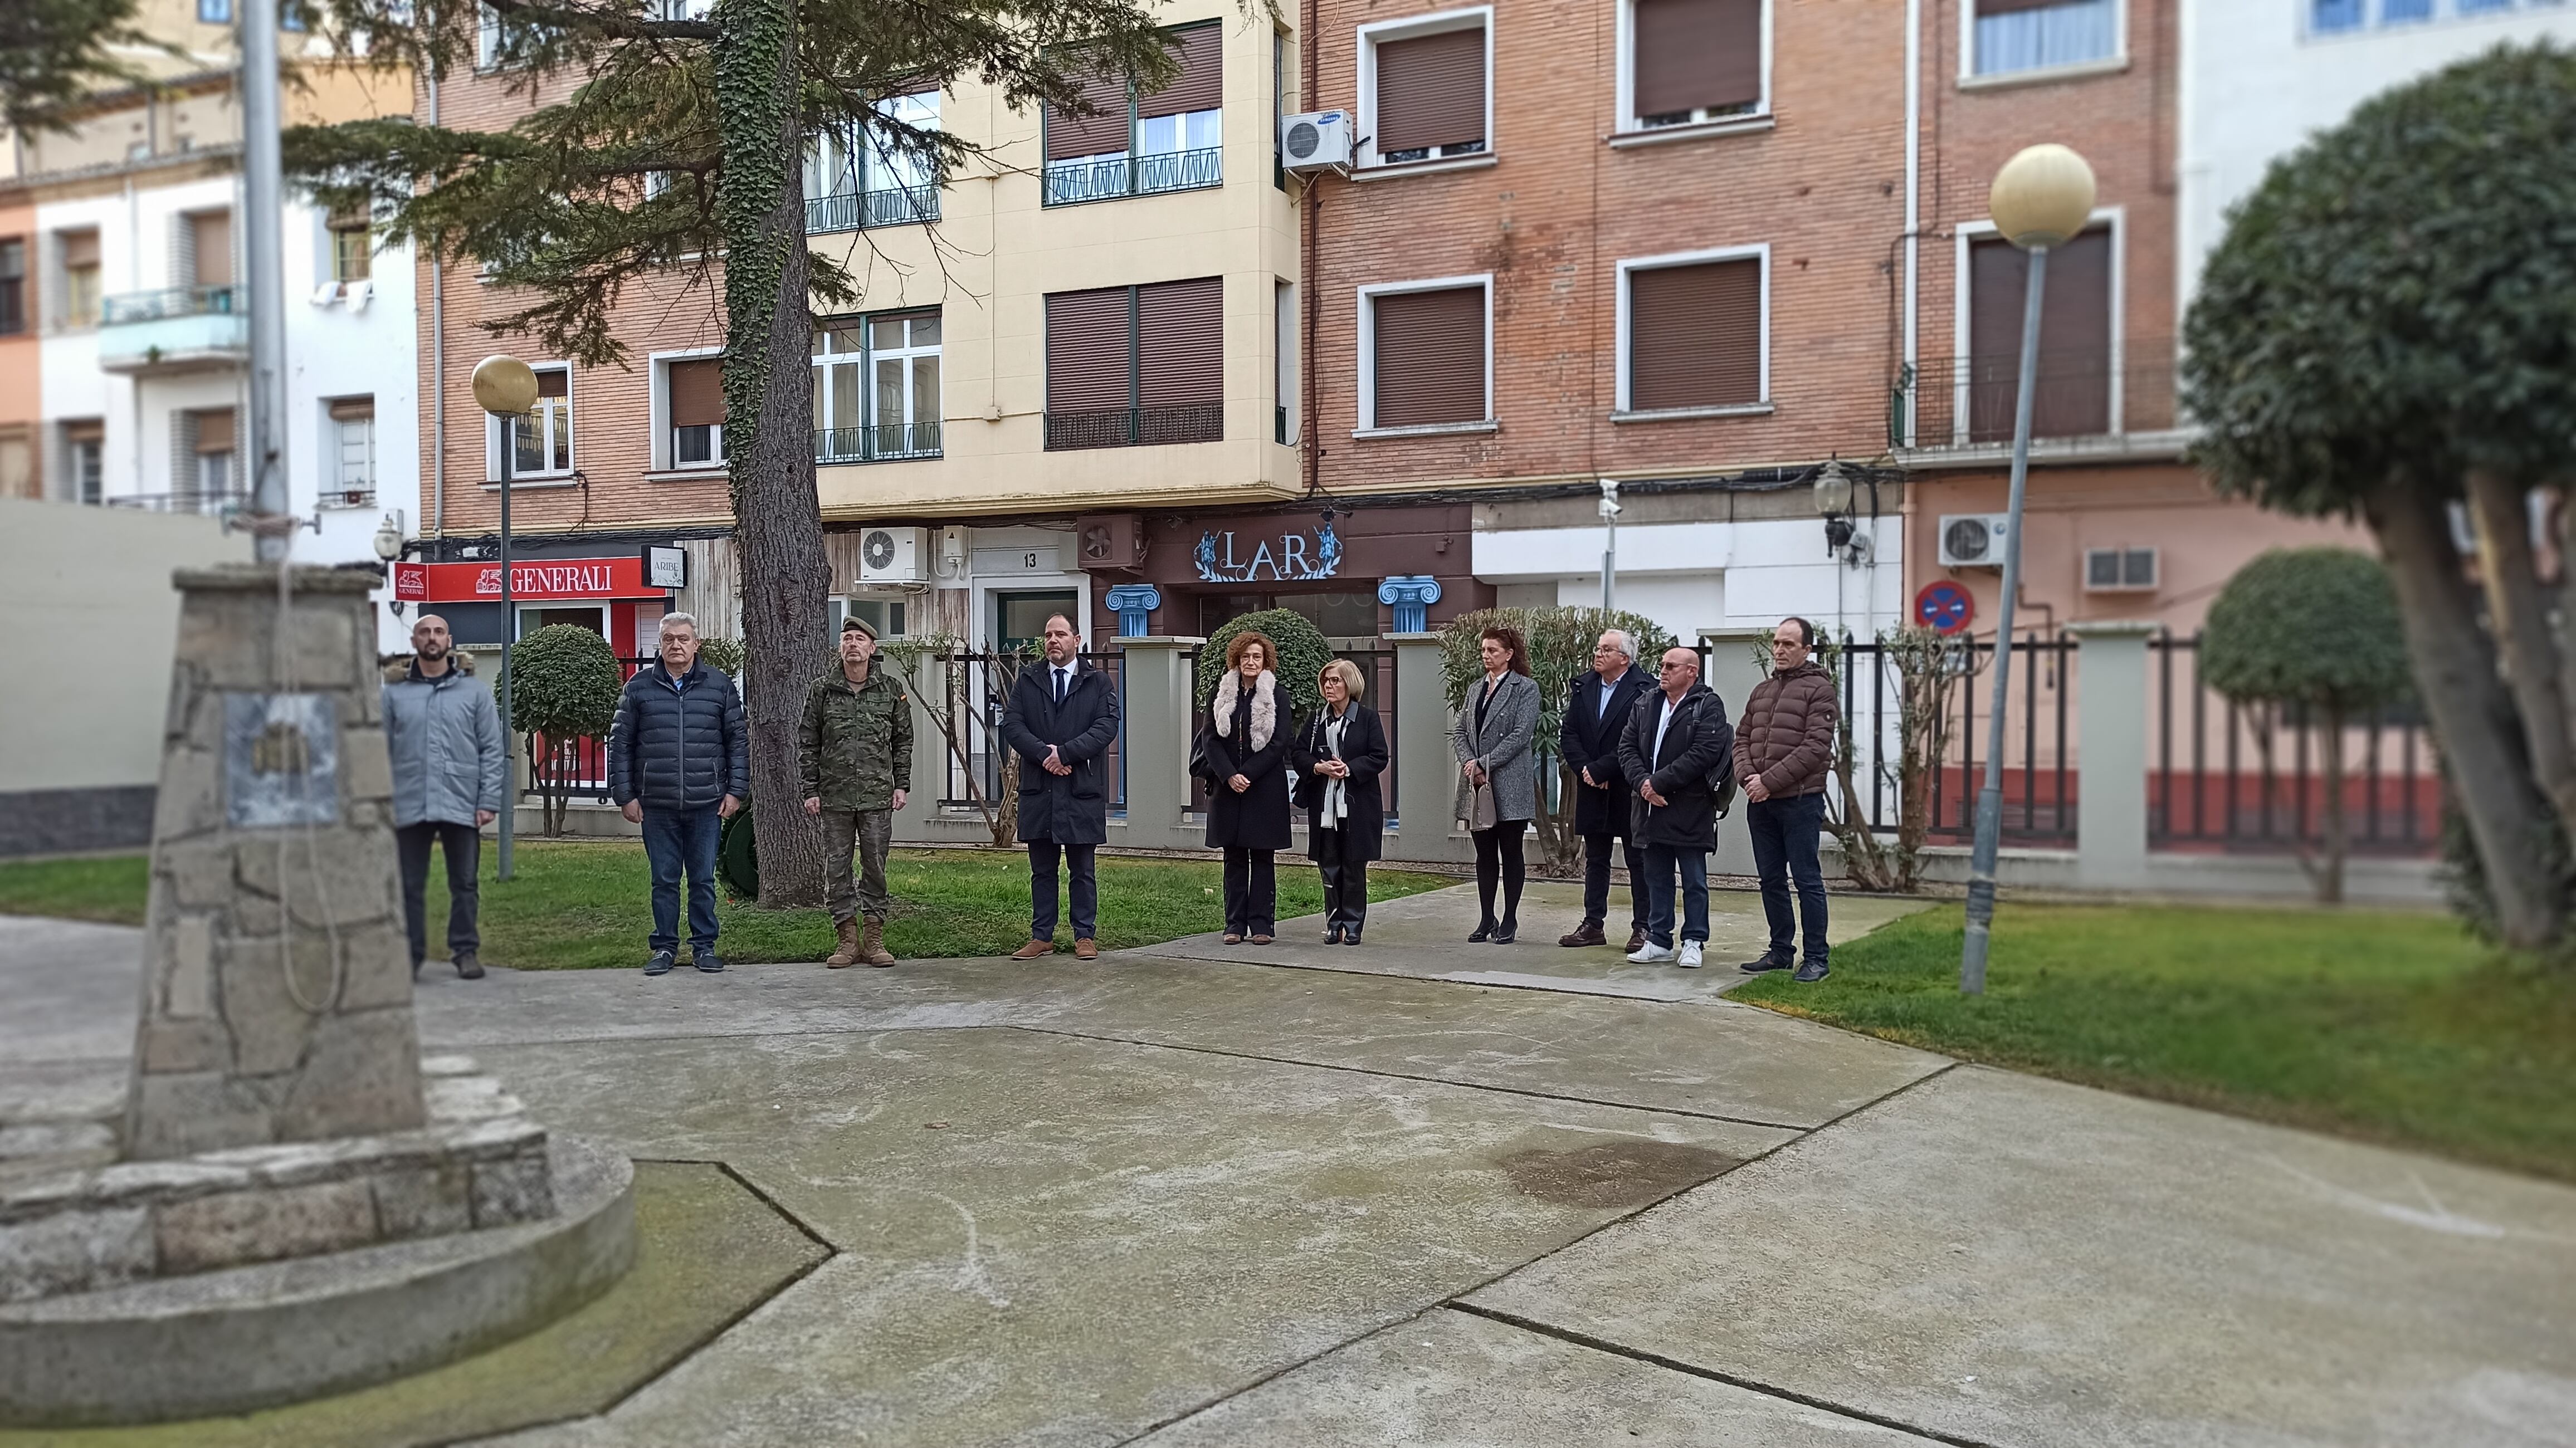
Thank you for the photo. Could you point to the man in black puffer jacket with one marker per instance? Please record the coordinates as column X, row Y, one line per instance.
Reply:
column 679, row 762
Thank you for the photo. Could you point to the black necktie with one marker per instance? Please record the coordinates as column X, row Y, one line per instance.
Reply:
column 1059, row 687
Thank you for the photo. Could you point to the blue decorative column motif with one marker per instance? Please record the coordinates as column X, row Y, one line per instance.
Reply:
column 1412, row 595
column 1132, row 602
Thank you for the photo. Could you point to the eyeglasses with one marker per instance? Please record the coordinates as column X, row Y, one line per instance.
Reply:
column 1670, row 665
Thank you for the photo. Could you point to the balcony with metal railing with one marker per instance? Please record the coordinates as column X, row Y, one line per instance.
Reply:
column 1134, row 426
column 2118, row 400
column 859, row 210
column 884, row 443
column 204, row 504
column 176, row 329
column 1107, row 178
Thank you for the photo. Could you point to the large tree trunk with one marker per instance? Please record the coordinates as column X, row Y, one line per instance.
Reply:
column 768, row 428
column 2473, row 716
column 2521, row 620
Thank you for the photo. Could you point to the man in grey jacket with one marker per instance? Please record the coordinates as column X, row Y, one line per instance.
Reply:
column 445, row 740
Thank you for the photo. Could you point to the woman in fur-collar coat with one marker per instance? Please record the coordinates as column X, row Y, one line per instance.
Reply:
column 1250, row 726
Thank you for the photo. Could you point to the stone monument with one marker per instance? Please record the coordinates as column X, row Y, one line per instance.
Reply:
column 303, row 1204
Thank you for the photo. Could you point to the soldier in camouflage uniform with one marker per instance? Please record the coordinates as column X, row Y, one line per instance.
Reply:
column 854, row 758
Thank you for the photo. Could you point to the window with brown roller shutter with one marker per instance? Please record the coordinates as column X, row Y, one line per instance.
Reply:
column 697, row 392
column 1695, row 335
column 1201, row 84
column 1429, row 357
column 2074, row 382
column 1136, row 365
column 1070, row 134
column 1180, row 361
column 1697, row 59
column 1431, row 95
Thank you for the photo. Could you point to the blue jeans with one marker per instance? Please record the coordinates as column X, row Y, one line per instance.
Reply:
column 1661, row 862
column 1085, row 890
column 1784, row 848
column 677, row 839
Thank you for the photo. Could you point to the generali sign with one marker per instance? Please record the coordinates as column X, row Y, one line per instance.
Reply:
column 549, row 578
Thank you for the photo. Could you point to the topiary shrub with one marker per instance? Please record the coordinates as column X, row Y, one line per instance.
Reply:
column 1302, row 655
column 2313, row 635
column 564, row 682
column 724, row 655
column 1560, row 642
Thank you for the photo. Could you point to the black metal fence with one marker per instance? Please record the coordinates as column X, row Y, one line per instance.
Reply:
column 1070, row 183
column 2042, row 786
column 885, row 442
column 972, row 690
column 854, row 210
column 2227, row 776
column 1969, row 401
column 1134, row 426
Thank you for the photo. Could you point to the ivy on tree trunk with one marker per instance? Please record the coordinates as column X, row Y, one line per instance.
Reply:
column 769, row 404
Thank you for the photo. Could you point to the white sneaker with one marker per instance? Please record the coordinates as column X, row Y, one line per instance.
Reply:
column 1690, row 956
column 1650, row 954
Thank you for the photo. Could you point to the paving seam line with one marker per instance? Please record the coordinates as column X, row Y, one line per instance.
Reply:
column 1719, row 999
column 1456, row 1300
column 718, row 1331
column 1407, row 1076
column 1732, row 1380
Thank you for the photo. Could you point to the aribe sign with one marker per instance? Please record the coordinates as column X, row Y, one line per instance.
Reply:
column 1292, row 555
column 533, row 581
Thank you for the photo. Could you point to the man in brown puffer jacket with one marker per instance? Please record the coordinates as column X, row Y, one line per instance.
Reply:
column 1784, row 752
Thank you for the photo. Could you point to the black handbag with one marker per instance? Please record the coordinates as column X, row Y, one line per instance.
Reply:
column 1199, row 766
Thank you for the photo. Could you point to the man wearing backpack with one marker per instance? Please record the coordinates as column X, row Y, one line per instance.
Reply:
column 1674, row 754
column 1784, row 753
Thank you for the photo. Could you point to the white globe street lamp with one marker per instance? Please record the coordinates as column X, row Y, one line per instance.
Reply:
column 2040, row 199
column 506, row 387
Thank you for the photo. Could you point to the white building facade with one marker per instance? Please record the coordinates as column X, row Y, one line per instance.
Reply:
column 2259, row 77
column 145, row 362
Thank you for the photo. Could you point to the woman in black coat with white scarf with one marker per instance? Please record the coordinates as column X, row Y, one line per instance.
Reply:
column 1339, row 756
column 1251, row 725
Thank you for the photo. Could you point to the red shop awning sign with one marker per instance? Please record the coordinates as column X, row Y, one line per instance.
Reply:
column 535, row 581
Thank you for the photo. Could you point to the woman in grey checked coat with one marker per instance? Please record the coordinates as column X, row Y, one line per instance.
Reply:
column 1498, row 775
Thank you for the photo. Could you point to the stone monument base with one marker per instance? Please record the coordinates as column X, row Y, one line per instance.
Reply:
column 238, row 1279
column 243, row 1338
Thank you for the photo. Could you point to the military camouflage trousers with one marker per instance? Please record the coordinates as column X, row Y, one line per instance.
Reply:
column 871, row 831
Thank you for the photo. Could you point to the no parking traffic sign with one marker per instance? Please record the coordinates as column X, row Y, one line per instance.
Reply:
column 1944, row 607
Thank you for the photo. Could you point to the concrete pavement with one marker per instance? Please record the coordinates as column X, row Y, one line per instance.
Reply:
column 1429, row 1192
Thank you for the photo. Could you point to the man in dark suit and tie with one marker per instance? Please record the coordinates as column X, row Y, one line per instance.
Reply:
column 1595, row 711
column 1061, row 719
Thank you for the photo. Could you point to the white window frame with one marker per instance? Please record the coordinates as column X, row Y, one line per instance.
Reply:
column 1284, row 340
column 904, row 354
column 2117, row 219
column 1412, row 27
column 1628, row 126
column 487, row 38
column 1367, row 330
column 666, row 451
column 494, row 436
column 1628, row 267
column 1970, row 77
column 334, row 429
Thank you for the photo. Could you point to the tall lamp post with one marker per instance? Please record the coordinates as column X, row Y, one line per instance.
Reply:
column 1609, row 545
column 506, row 387
column 2041, row 198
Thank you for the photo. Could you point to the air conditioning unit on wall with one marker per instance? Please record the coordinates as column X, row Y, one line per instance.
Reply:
column 2119, row 570
column 1973, row 540
column 1316, row 141
column 893, row 555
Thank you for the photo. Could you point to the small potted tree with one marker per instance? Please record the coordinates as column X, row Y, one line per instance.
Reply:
column 2313, row 634
column 564, row 682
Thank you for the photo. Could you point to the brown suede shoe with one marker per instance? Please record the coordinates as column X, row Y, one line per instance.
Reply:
column 872, row 946
column 1034, row 950
column 848, row 952
column 1588, row 933
column 1636, row 938
column 1086, row 949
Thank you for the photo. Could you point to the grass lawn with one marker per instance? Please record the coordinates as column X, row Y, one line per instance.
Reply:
column 584, row 905
column 2395, row 1027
